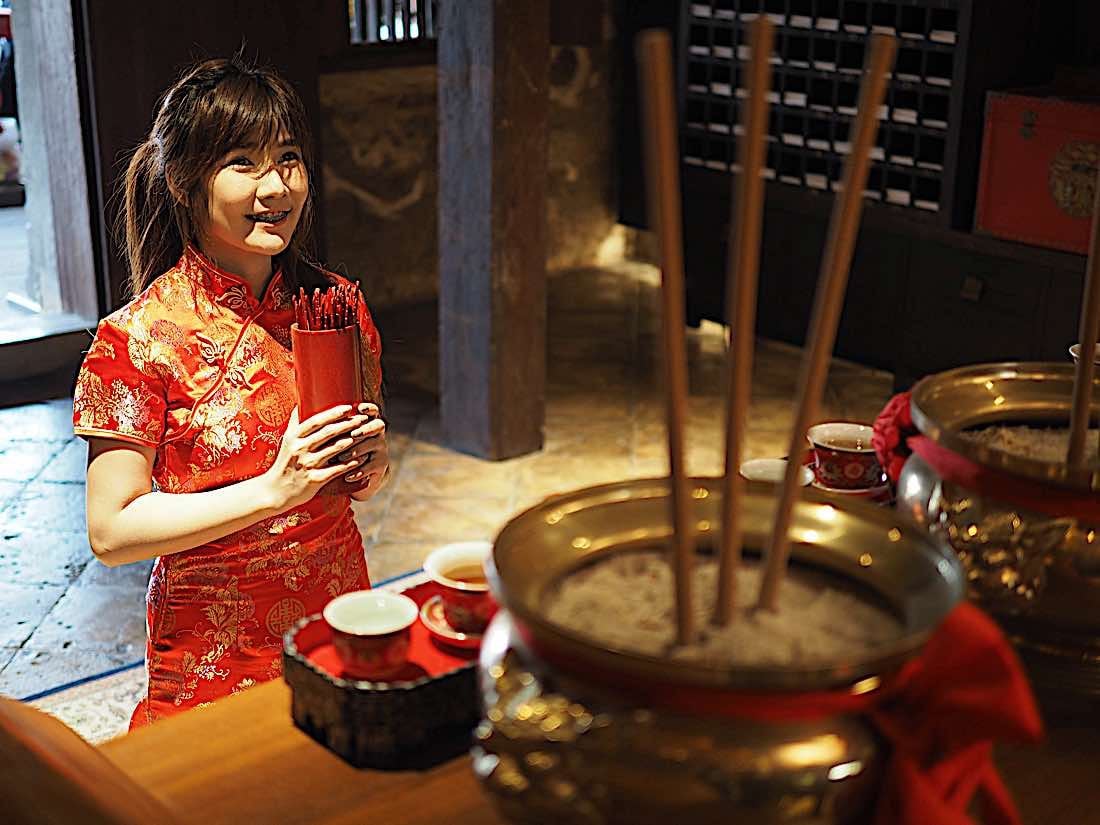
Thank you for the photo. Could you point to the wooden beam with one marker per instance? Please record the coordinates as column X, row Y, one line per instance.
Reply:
column 493, row 59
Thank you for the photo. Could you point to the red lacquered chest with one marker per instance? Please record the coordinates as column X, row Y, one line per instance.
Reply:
column 1039, row 167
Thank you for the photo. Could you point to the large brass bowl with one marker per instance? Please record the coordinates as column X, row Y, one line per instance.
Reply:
column 556, row 744
column 1038, row 574
column 949, row 403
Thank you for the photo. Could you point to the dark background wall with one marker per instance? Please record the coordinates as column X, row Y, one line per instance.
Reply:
column 134, row 49
column 373, row 111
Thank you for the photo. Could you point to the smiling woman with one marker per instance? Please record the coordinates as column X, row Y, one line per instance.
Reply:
column 187, row 395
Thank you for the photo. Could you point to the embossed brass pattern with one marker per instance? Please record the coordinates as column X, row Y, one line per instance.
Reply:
column 1007, row 551
column 1038, row 574
column 553, row 750
column 945, row 404
column 554, row 746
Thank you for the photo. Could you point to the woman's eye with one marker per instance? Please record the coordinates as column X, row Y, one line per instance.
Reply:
column 290, row 157
column 240, row 160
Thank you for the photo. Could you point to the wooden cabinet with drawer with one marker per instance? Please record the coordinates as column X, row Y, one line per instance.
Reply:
column 962, row 308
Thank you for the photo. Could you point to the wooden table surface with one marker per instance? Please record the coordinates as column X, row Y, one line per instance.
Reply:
column 242, row 760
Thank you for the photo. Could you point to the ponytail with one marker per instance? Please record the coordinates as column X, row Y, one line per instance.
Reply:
column 150, row 227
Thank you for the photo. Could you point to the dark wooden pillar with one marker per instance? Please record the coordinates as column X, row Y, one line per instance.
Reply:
column 493, row 58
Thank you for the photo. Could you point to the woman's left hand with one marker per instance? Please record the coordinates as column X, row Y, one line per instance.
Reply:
column 375, row 468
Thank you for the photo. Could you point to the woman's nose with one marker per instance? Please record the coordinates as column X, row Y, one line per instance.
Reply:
column 271, row 184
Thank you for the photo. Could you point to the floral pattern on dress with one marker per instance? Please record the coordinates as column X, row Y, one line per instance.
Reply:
column 202, row 371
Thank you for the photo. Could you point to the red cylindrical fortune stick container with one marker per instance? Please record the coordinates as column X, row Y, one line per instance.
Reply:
column 327, row 373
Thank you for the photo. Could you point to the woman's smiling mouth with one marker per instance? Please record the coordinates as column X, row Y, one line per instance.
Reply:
column 269, row 218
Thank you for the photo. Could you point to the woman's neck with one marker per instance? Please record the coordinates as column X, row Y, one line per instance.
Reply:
column 252, row 268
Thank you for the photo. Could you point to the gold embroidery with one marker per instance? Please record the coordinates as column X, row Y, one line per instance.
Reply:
column 243, row 685
column 282, row 616
column 234, row 297
column 217, row 613
column 101, row 348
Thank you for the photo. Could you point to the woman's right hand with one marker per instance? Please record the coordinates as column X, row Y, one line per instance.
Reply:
column 301, row 468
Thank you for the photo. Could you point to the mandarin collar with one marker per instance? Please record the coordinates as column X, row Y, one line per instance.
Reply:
column 229, row 289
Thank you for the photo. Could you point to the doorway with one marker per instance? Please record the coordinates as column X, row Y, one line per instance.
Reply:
column 48, row 286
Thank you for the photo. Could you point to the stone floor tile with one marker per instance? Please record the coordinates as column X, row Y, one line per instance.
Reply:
column 601, row 438
column 387, row 559
column 103, row 618
column 47, row 421
column 767, row 444
column 581, row 352
column 60, row 506
column 133, row 577
column 556, row 473
column 70, row 464
column 23, row 607
column 31, row 555
column 25, row 460
column 584, row 408
column 419, row 519
column 455, row 476
column 33, row 670
column 370, row 514
column 9, row 491
column 649, row 467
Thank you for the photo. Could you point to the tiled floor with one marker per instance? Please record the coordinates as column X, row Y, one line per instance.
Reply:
column 63, row 616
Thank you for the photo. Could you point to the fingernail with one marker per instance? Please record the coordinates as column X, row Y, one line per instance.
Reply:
column 355, row 476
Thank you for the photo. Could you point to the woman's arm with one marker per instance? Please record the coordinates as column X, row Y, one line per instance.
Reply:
column 128, row 521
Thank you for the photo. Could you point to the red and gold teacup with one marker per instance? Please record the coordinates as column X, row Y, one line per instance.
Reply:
column 843, row 456
column 371, row 630
column 459, row 570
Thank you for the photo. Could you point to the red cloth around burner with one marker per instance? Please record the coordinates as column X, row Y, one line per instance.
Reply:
column 891, row 429
column 426, row 656
column 940, row 713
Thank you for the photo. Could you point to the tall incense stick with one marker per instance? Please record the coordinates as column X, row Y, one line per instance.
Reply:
column 828, row 302
column 654, row 51
column 742, row 267
column 1088, row 330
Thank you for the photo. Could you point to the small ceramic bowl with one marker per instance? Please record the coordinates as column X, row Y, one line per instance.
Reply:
column 843, row 456
column 371, row 630
column 1075, row 351
column 875, row 495
column 772, row 470
column 459, row 571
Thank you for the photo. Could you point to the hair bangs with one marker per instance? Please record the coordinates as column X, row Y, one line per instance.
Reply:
column 251, row 111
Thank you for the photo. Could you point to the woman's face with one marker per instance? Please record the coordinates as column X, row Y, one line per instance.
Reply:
column 255, row 197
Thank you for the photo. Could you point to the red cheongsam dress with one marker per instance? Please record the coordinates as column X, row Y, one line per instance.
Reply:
column 201, row 370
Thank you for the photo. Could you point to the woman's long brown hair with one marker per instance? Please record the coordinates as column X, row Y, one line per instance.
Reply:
column 216, row 105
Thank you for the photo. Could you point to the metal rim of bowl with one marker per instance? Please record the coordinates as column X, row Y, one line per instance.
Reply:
column 947, row 403
column 539, row 546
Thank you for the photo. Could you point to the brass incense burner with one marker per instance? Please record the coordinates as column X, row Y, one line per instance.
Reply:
column 1037, row 573
column 558, row 745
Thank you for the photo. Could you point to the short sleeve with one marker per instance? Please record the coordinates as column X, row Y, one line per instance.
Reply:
column 371, row 353
column 117, row 396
